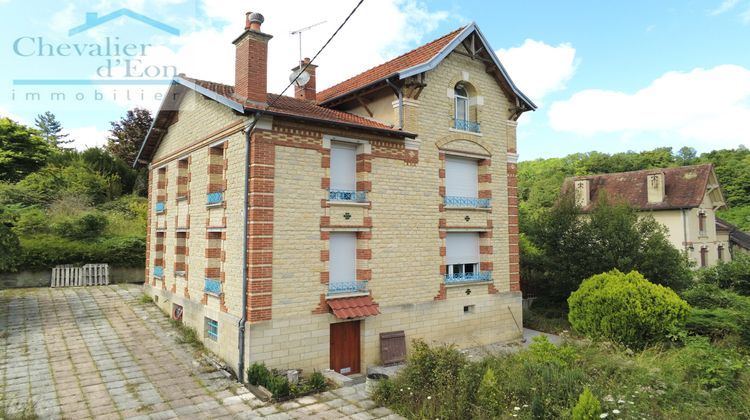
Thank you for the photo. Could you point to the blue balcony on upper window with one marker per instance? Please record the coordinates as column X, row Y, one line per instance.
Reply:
column 158, row 271
column 214, row 198
column 465, row 125
column 339, row 288
column 467, row 202
column 212, row 286
column 351, row 196
column 459, row 278
column 160, row 207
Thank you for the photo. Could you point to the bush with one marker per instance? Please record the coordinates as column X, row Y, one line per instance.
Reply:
column 279, row 387
column 626, row 309
column 46, row 251
column 588, row 407
column 88, row 226
column 734, row 275
column 710, row 366
column 317, row 382
column 541, row 351
column 258, row 374
column 718, row 313
column 488, row 395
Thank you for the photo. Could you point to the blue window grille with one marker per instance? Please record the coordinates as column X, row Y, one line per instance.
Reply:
column 464, row 125
column 212, row 286
column 454, row 201
column 357, row 286
column 468, row 277
column 342, row 195
column 214, row 198
column 212, row 329
column 160, row 207
column 158, row 271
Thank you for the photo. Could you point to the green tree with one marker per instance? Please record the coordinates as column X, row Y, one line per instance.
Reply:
column 51, row 129
column 22, row 151
column 127, row 134
column 9, row 244
column 571, row 247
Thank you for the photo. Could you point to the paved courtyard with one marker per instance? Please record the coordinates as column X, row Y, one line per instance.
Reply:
column 101, row 352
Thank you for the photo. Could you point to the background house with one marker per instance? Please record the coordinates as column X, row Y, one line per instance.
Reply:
column 684, row 199
column 313, row 231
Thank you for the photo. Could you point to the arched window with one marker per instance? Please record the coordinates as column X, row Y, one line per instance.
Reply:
column 462, row 102
column 462, row 117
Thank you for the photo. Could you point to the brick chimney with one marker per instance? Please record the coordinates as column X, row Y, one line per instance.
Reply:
column 251, row 63
column 308, row 91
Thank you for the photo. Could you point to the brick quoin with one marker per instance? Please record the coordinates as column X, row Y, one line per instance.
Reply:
column 513, row 247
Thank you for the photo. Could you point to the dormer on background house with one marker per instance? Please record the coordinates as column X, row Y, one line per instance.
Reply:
column 583, row 192
column 655, row 187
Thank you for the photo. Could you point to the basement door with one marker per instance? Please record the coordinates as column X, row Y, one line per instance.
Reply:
column 345, row 347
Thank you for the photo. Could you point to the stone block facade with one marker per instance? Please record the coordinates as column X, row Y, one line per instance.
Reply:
column 400, row 229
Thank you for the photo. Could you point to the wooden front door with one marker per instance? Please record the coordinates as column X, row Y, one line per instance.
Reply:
column 345, row 347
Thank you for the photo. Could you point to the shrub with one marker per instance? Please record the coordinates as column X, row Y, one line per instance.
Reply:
column 258, row 374
column 709, row 366
column 588, row 407
column 733, row 275
column 543, row 352
column 279, row 386
column 46, row 251
column 87, row 226
column 317, row 382
column 626, row 308
column 488, row 395
column 718, row 313
column 708, row 296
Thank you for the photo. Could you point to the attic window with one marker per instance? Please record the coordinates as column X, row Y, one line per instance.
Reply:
column 462, row 116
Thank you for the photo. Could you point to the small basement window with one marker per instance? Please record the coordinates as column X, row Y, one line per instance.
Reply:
column 469, row 309
column 212, row 329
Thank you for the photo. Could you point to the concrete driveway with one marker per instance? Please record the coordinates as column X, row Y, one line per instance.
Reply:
column 101, row 352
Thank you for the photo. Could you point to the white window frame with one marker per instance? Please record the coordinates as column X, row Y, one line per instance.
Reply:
column 461, row 98
column 343, row 175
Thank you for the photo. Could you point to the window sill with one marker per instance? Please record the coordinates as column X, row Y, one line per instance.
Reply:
column 487, row 209
column 346, row 295
column 348, row 203
column 455, row 130
column 213, row 205
column 179, row 274
column 468, row 283
column 181, row 198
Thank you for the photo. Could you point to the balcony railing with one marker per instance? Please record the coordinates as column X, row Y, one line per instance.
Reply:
column 468, row 277
column 158, row 271
column 160, row 207
column 464, row 125
column 337, row 288
column 212, row 286
column 455, row 201
column 214, row 198
column 343, row 195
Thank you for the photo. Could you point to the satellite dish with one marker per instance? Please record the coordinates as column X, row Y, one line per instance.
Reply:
column 302, row 77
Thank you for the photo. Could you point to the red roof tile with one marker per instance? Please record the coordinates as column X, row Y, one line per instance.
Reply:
column 287, row 105
column 412, row 58
column 353, row 307
column 685, row 186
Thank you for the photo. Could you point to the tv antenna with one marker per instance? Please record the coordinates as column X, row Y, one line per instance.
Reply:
column 299, row 32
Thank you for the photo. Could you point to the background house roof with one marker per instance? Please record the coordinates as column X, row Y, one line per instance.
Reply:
column 685, row 187
column 735, row 234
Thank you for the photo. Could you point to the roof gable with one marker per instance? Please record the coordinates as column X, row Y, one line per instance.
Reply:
column 420, row 60
column 685, row 187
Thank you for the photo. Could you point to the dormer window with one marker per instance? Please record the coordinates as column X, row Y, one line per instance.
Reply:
column 462, row 118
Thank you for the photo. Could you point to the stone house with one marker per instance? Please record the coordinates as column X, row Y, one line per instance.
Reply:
column 739, row 241
column 684, row 199
column 329, row 229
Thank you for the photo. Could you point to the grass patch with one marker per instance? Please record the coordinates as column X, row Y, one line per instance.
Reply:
column 146, row 299
column 27, row 413
column 696, row 379
column 187, row 335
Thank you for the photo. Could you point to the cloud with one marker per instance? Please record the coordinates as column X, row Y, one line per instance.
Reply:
column 725, row 6
column 86, row 137
column 4, row 113
column 539, row 69
column 711, row 106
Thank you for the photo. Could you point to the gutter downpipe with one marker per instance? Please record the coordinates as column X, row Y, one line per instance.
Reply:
column 684, row 232
column 243, row 320
column 400, row 95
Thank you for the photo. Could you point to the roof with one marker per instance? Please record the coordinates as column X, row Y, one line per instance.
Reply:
column 353, row 307
column 284, row 106
column 735, row 234
column 685, row 186
column 419, row 60
column 412, row 58
column 289, row 106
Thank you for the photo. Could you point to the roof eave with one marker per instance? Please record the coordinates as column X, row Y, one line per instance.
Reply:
column 448, row 48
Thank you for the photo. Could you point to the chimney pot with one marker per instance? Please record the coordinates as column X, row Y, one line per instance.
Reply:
column 253, row 21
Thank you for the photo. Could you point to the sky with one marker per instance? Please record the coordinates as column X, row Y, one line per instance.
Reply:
column 607, row 76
